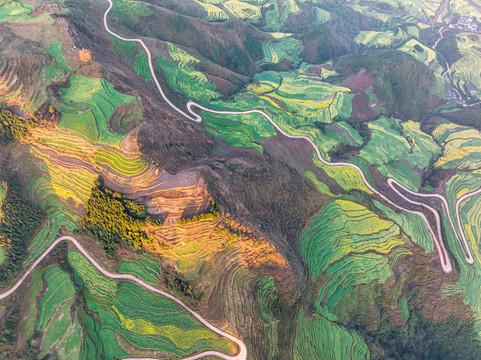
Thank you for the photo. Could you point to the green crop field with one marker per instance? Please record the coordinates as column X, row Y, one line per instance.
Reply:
column 146, row 268
column 380, row 39
column 129, row 10
column 243, row 10
column 320, row 338
column 59, row 290
column 101, row 100
column 142, row 66
column 461, row 146
column 286, row 48
column 466, row 72
column 12, row 11
column 351, row 247
column 179, row 69
column 265, row 290
column 55, row 49
column 214, row 13
column 83, row 123
column 137, row 315
column 396, row 150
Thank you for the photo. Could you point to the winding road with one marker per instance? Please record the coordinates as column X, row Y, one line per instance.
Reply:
column 394, row 184
column 128, row 277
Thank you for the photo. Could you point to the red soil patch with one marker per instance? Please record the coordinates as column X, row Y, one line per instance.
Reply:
column 359, row 82
column 360, row 108
column 41, row 10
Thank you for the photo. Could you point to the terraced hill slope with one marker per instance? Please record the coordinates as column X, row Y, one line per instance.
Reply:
column 287, row 179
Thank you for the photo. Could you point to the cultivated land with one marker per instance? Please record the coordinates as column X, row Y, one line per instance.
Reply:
column 305, row 196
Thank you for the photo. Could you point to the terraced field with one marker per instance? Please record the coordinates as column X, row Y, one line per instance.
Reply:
column 179, row 69
column 389, row 11
column 153, row 323
column 297, row 101
column 130, row 11
column 461, row 146
column 322, row 338
column 12, row 11
column 353, row 249
column 88, row 105
column 380, row 39
column 466, row 71
column 286, row 48
column 401, row 151
column 54, row 319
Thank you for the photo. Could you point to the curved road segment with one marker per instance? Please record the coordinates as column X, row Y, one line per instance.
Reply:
column 128, row 277
column 437, row 238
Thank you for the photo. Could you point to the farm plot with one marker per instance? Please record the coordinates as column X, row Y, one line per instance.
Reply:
column 286, row 48
column 214, row 13
column 400, row 151
column 88, row 98
column 15, row 12
column 279, row 12
column 130, row 11
column 143, row 320
column 243, row 10
column 179, row 70
column 299, row 102
column 142, row 66
column 322, row 338
column 466, row 72
column 461, row 147
column 380, row 39
column 352, row 248
column 389, row 11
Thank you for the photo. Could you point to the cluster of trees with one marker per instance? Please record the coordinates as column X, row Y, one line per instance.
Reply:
column 422, row 339
column 404, row 84
column 212, row 215
column 20, row 220
column 113, row 219
column 13, row 127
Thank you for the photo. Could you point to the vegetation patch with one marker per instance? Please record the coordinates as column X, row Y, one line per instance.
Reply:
column 113, row 219
column 179, row 70
column 21, row 218
column 13, row 127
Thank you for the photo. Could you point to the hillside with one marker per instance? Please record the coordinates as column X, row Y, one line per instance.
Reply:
column 285, row 179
